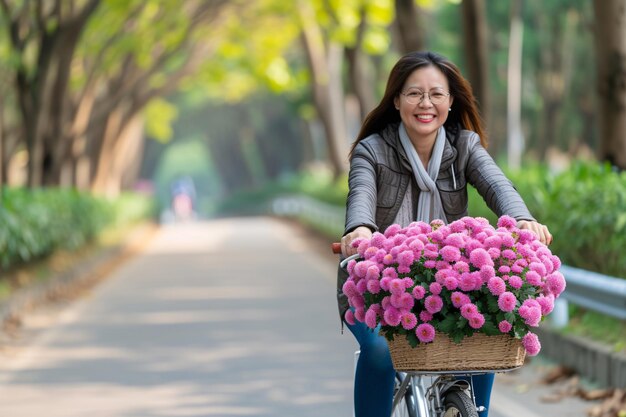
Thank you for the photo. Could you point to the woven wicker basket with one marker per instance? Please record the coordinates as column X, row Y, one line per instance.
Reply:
column 478, row 352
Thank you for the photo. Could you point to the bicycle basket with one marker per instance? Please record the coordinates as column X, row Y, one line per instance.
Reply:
column 478, row 352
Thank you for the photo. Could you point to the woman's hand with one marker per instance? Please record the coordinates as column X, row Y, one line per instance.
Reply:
column 360, row 232
column 538, row 229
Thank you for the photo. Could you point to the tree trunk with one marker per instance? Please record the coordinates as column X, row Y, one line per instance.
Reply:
column 610, row 42
column 325, row 59
column 475, row 31
column 410, row 32
column 514, row 96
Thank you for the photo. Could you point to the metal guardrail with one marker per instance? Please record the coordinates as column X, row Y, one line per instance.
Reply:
column 597, row 292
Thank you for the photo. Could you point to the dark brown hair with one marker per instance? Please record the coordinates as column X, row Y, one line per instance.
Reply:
column 464, row 111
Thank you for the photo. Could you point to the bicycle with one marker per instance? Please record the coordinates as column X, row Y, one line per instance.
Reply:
column 445, row 395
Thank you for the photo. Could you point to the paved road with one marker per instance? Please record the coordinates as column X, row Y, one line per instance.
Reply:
column 233, row 317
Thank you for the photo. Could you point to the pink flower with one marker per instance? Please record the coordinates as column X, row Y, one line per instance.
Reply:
column 451, row 283
column 409, row 321
column 372, row 272
column 507, row 301
column 515, row 282
column 425, row 333
column 390, row 272
column 408, row 282
column 493, row 242
column 487, row 272
column 455, row 240
column 450, row 253
column 531, row 344
column 461, row 267
column 392, row 316
column 533, row 278
column 476, row 321
column 468, row 310
column 359, row 314
column 419, row 292
column 459, row 299
column 494, row 253
column 508, row 254
column 357, row 301
column 556, row 283
column 526, row 236
column 538, row 267
column 392, row 230
column 384, row 283
column 457, row 226
column 373, row 286
column 547, row 303
column 377, row 240
column 396, row 286
column 504, row 269
column 425, row 316
column 370, row 252
column 430, row 264
column 507, row 222
column 496, row 286
column 433, row 304
column 349, row 317
column 349, row 288
column 531, row 315
column 388, row 259
column 479, row 258
column 370, row 319
column 505, row 326
column 435, row 288
column 466, row 282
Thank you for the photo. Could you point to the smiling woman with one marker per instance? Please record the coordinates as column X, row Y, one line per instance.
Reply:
column 412, row 160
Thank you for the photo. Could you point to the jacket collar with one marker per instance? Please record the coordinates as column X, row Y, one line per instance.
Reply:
column 392, row 138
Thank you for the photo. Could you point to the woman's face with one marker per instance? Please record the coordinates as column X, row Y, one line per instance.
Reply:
column 421, row 116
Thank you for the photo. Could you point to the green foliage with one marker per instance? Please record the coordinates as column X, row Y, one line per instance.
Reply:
column 34, row 223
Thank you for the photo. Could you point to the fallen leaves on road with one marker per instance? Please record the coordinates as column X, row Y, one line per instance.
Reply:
column 613, row 399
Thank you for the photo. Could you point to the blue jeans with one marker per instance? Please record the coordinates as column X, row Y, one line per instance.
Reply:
column 374, row 378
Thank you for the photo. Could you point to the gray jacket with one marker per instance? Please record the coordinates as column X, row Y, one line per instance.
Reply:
column 380, row 175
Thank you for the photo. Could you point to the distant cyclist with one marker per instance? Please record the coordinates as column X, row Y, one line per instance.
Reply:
column 183, row 198
column 412, row 160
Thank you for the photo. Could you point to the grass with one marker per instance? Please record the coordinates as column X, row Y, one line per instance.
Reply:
column 598, row 327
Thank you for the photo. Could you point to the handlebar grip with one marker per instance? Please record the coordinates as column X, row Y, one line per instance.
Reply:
column 336, row 247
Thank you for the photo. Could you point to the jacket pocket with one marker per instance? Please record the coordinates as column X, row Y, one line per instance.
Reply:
column 453, row 192
column 387, row 186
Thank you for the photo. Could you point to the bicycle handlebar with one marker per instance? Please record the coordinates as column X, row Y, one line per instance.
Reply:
column 335, row 247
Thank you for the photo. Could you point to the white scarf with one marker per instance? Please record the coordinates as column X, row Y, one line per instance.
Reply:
column 429, row 205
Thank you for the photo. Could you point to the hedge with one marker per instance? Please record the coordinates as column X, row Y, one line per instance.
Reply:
column 35, row 223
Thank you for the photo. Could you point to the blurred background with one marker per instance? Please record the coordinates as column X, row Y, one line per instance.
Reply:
column 114, row 112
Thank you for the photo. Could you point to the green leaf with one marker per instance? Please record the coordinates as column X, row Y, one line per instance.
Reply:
column 447, row 325
column 492, row 305
column 490, row 329
column 412, row 338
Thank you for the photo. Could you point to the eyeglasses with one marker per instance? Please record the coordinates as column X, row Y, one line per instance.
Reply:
column 436, row 96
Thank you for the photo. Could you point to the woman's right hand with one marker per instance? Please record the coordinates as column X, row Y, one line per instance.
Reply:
column 360, row 232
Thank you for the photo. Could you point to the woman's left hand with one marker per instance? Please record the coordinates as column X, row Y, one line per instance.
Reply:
column 538, row 229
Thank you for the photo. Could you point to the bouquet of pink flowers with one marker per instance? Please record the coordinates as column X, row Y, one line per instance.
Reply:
column 455, row 279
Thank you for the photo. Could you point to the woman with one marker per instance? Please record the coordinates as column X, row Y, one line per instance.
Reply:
column 412, row 160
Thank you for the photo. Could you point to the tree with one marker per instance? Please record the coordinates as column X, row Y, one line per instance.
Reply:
column 52, row 30
column 610, row 41
column 514, row 97
column 410, row 31
column 475, row 32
